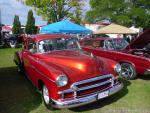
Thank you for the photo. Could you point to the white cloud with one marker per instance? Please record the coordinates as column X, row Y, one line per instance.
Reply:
column 9, row 8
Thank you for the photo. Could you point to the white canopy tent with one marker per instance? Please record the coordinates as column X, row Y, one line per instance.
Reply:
column 115, row 29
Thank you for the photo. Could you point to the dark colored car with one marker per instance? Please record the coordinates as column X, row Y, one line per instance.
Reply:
column 134, row 57
column 12, row 40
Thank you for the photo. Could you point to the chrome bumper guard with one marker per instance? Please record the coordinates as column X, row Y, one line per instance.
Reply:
column 147, row 72
column 85, row 100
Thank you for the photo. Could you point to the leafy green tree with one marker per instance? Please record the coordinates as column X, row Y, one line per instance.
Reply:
column 56, row 10
column 16, row 25
column 124, row 12
column 30, row 26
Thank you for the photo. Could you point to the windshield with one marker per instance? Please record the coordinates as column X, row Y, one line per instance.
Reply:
column 58, row 44
column 116, row 44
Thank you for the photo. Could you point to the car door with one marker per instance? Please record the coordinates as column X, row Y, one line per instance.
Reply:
column 30, row 60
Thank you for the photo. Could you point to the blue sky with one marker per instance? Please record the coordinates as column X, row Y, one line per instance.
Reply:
column 11, row 7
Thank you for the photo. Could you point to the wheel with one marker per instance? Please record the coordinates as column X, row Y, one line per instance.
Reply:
column 128, row 71
column 46, row 98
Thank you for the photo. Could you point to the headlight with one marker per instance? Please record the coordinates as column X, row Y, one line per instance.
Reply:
column 117, row 68
column 61, row 80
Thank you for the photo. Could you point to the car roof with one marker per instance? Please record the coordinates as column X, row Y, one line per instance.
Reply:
column 102, row 38
column 40, row 37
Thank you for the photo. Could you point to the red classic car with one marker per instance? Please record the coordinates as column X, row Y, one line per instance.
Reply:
column 66, row 75
column 133, row 57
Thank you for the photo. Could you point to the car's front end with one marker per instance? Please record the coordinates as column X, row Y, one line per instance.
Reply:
column 88, row 91
column 82, row 81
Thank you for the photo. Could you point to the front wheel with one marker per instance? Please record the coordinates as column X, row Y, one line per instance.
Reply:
column 46, row 98
column 128, row 71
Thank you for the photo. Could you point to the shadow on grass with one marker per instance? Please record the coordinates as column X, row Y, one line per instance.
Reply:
column 17, row 94
column 145, row 77
column 106, row 101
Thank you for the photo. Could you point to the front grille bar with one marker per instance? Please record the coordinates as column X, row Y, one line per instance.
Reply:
column 111, row 80
column 92, row 79
column 94, row 86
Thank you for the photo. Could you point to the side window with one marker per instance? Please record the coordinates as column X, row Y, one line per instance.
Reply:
column 109, row 45
column 88, row 43
column 32, row 46
column 102, row 44
column 96, row 44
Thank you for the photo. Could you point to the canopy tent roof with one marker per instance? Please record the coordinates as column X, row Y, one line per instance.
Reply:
column 6, row 28
column 115, row 29
column 65, row 26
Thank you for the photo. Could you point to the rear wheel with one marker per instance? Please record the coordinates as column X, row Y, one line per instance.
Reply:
column 128, row 71
column 46, row 98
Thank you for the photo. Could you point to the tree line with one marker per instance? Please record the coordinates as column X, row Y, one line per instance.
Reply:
column 30, row 27
column 124, row 12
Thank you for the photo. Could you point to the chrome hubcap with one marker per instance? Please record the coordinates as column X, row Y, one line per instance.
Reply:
column 127, row 70
column 46, row 94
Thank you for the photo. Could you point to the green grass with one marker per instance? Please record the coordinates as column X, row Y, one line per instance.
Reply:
column 17, row 94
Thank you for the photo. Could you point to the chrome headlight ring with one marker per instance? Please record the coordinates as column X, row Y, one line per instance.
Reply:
column 117, row 68
column 62, row 80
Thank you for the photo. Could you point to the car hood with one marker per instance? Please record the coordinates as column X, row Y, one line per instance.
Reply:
column 141, row 41
column 76, row 64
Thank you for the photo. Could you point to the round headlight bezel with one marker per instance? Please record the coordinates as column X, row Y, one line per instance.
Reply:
column 117, row 68
column 62, row 80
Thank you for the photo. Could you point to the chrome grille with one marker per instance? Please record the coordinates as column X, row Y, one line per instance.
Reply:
column 88, row 86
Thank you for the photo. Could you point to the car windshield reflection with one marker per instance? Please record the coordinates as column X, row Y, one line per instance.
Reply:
column 116, row 44
column 58, row 44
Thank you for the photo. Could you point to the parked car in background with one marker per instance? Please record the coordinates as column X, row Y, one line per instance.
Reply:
column 66, row 75
column 12, row 40
column 134, row 57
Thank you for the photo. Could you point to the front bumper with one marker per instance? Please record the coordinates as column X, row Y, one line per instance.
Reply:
column 85, row 100
column 147, row 72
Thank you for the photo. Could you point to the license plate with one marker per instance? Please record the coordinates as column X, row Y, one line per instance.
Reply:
column 103, row 94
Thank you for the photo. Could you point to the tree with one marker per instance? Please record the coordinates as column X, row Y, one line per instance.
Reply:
column 30, row 26
column 56, row 10
column 16, row 25
column 124, row 12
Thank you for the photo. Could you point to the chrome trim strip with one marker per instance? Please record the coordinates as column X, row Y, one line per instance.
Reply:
column 93, row 79
column 65, row 91
column 147, row 72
